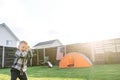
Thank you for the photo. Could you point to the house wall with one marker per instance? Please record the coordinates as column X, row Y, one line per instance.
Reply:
column 4, row 36
column 43, row 46
column 55, row 44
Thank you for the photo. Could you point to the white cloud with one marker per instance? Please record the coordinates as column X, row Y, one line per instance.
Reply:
column 71, row 21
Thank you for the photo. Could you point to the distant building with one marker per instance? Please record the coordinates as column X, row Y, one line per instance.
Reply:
column 48, row 44
column 7, row 37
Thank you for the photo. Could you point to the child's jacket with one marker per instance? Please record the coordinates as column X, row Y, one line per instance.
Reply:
column 20, row 61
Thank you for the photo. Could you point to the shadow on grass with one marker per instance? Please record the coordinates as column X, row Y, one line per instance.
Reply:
column 73, row 73
column 45, row 73
column 6, row 77
column 97, row 72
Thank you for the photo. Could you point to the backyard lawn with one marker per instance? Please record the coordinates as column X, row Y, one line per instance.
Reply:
column 97, row 72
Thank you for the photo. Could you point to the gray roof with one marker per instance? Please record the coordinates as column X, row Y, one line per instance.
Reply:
column 47, row 42
column 8, row 29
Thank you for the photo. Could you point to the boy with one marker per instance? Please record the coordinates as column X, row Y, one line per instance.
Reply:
column 19, row 67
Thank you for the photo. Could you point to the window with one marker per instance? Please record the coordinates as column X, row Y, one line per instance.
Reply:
column 8, row 42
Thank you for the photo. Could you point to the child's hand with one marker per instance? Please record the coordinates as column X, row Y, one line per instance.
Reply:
column 27, row 48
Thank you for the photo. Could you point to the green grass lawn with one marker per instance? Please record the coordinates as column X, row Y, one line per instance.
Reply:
column 97, row 72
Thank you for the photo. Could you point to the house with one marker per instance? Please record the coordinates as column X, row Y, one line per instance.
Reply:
column 7, row 37
column 44, row 55
column 48, row 44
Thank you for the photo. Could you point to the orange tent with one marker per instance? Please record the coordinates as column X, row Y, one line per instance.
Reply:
column 74, row 59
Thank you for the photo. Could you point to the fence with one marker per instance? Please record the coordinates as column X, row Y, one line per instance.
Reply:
column 40, row 54
column 107, row 51
column 102, row 52
column 6, row 56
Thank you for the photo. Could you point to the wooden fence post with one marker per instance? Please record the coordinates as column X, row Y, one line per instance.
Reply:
column 3, row 57
column 65, row 49
column 44, row 53
column 31, row 58
column 38, row 60
column 92, row 52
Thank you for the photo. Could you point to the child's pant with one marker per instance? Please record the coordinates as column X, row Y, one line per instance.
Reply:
column 16, row 74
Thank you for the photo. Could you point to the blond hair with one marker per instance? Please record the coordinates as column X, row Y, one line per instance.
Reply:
column 23, row 42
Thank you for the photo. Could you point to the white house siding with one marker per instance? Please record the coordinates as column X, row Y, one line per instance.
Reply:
column 55, row 44
column 5, row 35
column 42, row 46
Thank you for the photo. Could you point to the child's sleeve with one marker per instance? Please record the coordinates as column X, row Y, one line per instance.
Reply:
column 20, row 54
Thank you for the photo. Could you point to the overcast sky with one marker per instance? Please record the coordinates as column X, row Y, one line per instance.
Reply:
column 70, row 21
